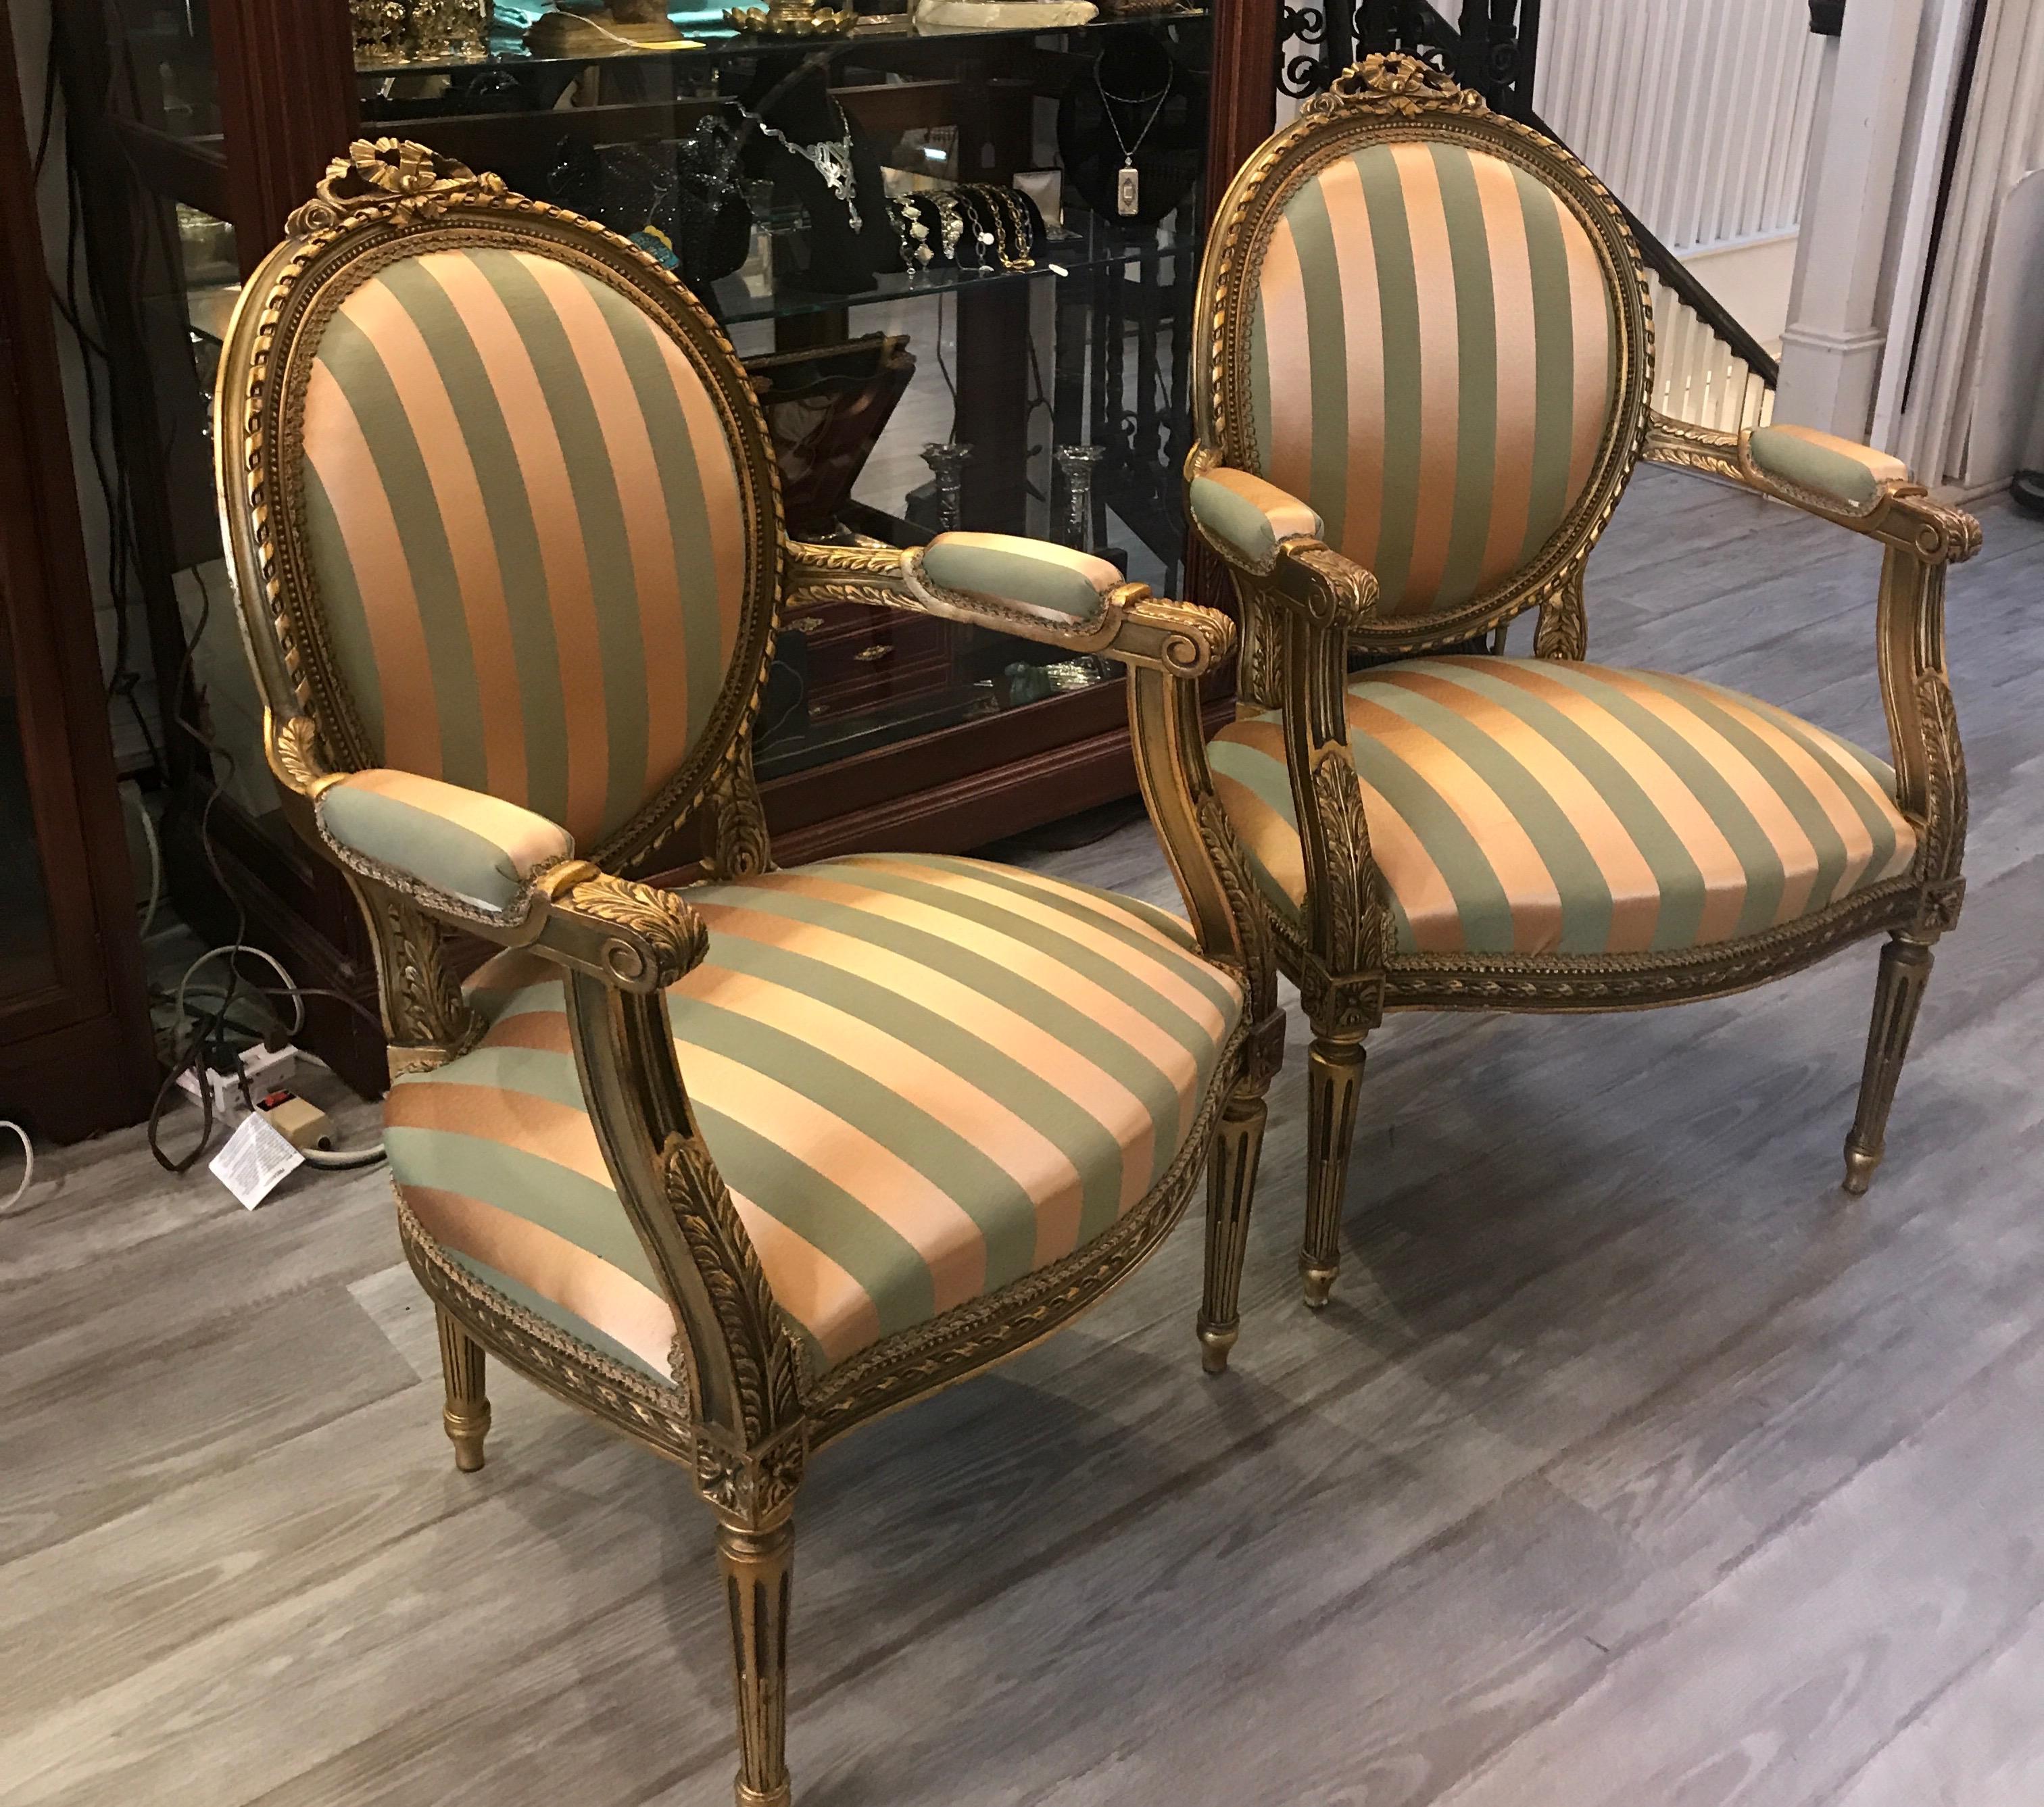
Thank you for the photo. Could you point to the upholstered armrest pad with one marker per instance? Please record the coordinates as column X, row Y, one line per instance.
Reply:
column 475, row 849
column 1823, row 465
column 1248, row 516
column 1053, row 584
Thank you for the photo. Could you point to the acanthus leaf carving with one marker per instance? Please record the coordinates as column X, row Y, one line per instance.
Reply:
column 660, row 922
column 1353, row 941
column 738, row 845
column 1563, row 631
column 766, row 1361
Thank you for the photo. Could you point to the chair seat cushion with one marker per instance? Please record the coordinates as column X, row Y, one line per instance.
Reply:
column 923, row 1078
column 1539, row 806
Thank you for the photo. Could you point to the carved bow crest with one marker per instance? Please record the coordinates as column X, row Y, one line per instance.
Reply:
column 412, row 180
column 1393, row 83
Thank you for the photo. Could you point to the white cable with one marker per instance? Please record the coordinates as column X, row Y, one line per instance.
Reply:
column 290, row 985
column 156, row 861
column 28, row 1173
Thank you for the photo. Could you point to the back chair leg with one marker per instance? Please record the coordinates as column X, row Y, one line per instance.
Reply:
column 467, row 1414
column 758, row 1570
column 1334, row 1075
column 1905, row 969
column 1230, row 1189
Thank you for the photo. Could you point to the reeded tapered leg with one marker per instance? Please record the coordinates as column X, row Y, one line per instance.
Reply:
column 1905, row 969
column 467, row 1414
column 1231, row 1188
column 759, row 1569
column 1334, row 1073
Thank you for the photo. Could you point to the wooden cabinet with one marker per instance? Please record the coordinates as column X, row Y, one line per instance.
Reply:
column 1053, row 317
column 74, row 1049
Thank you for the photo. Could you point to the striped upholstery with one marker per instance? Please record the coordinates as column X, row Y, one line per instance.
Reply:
column 1433, row 365
column 476, row 848
column 1530, row 806
column 1851, row 475
column 525, row 520
column 924, row 1079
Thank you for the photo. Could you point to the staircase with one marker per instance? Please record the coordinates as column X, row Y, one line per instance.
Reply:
column 1695, row 113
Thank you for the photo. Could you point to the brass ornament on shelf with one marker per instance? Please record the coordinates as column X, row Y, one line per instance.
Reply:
column 378, row 27
column 450, row 31
column 785, row 18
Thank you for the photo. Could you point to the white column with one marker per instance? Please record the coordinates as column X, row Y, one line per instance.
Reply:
column 1831, row 352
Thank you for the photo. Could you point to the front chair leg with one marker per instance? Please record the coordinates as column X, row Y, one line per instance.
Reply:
column 759, row 1569
column 1231, row 1188
column 1905, row 969
column 1334, row 1074
column 467, row 1414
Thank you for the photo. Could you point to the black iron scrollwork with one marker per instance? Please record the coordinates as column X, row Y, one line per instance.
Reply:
column 1492, row 51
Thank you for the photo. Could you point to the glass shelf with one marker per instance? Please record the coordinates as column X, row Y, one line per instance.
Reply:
column 893, row 33
column 1094, row 246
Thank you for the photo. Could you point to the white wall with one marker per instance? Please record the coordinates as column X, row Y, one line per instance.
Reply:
column 1697, row 114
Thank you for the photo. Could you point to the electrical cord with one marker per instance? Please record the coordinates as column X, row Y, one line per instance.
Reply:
column 155, row 862
column 28, row 1171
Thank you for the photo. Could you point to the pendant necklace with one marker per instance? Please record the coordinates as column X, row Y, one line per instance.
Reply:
column 1129, row 182
column 831, row 160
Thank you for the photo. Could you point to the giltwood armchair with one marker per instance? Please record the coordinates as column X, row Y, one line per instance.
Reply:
column 1429, row 356
column 737, row 1166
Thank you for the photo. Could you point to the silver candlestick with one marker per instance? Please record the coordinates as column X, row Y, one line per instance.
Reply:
column 1078, row 463
column 948, row 464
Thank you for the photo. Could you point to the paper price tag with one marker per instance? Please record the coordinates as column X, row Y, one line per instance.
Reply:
column 254, row 1161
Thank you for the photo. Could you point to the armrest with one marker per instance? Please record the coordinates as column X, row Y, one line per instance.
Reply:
column 1246, row 519
column 1027, row 588
column 1853, row 485
column 1272, row 539
column 477, row 863
column 463, row 852
column 1837, row 472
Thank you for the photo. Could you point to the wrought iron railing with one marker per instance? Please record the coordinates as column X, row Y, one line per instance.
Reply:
column 1711, row 368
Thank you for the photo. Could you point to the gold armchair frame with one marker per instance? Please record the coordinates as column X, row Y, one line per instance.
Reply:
column 1303, row 609
column 743, row 1415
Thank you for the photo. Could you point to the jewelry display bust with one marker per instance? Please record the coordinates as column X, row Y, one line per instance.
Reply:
column 793, row 133
column 1132, row 130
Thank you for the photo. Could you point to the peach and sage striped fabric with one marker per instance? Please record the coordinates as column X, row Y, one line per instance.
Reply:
column 524, row 521
column 1532, row 806
column 1433, row 364
column 923, row 1078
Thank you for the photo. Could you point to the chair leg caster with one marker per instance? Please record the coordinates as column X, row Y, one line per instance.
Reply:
column 1860, row 1166
column 1318, row 1284
column 1216, row 1341
column 781, row 1797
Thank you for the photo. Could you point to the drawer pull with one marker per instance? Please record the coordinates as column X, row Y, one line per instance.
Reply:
column 807, row 624
column 867, row 655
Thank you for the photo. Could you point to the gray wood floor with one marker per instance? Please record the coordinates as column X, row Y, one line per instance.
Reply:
column 1632, row 1465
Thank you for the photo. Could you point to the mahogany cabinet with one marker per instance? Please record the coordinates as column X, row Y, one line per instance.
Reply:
column 74, row 1046
column 201, row 125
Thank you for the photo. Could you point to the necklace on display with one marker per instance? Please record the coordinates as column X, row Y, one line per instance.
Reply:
column 831, row 160
column 1128, row 183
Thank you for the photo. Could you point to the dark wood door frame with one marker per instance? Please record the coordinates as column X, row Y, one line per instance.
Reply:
column 75, row 1056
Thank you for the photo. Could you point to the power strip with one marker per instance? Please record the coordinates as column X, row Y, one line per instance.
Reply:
column 263, row 1070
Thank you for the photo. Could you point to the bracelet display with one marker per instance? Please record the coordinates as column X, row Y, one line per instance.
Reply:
column 971, row 227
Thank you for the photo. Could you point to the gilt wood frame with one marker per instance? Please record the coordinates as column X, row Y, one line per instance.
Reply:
column 1305, row 609
column 742, row 1411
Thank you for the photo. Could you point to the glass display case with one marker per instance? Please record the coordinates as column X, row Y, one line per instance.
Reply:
column 956, row 247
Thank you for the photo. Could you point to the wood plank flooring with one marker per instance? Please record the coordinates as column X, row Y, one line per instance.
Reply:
column 1633, row 1465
